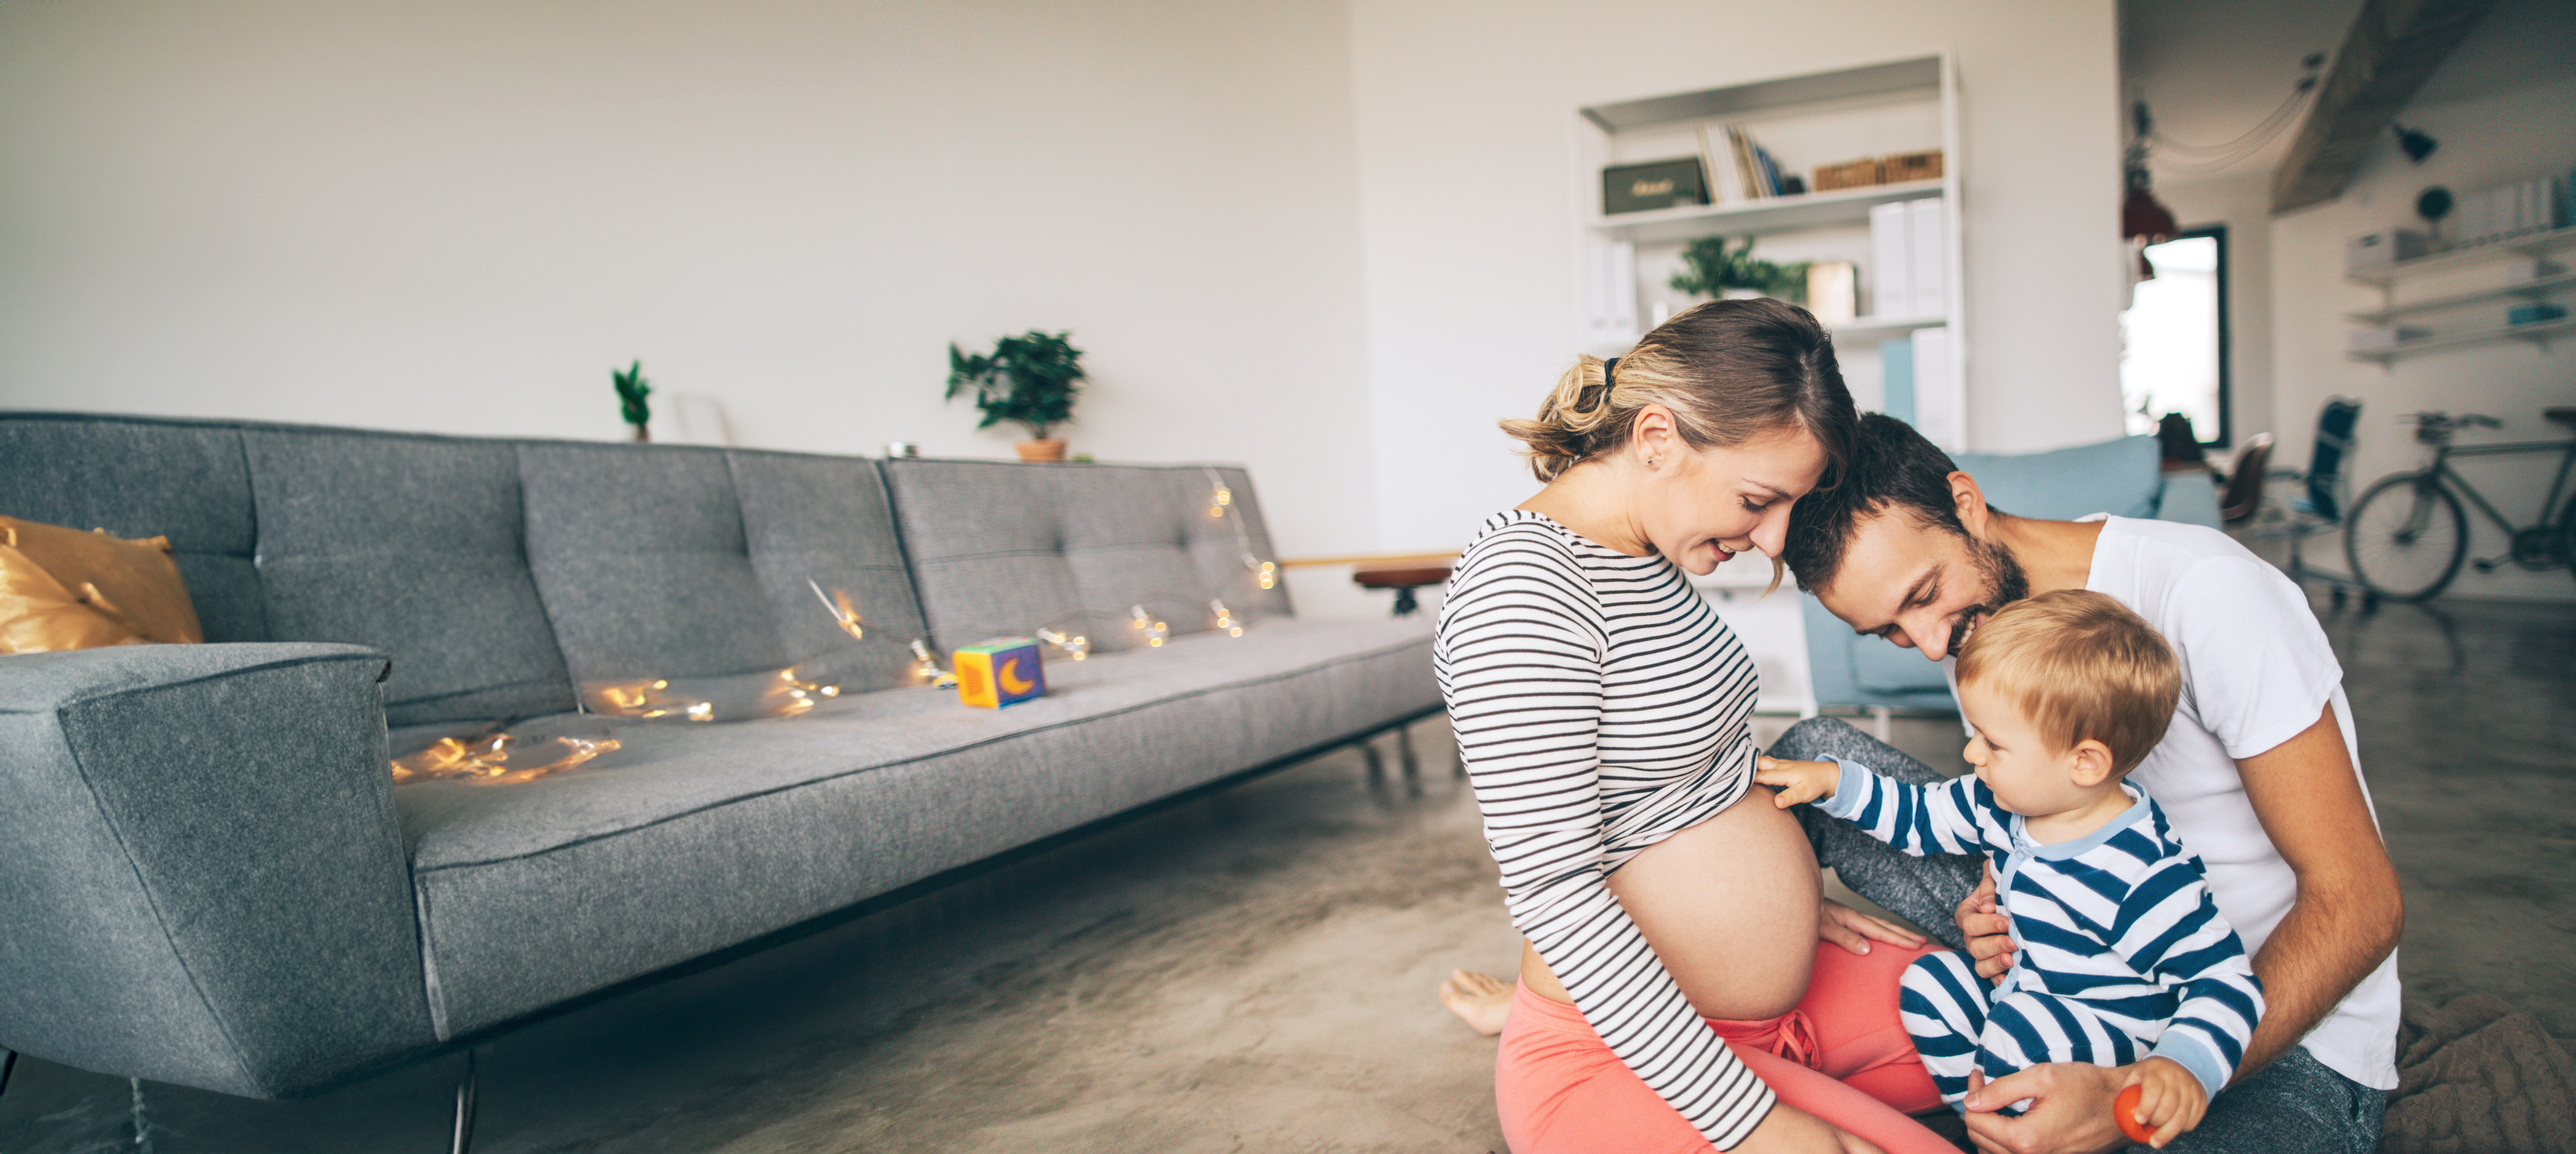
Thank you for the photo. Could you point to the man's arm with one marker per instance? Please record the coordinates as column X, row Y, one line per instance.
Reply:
column 2348, row 913
column 2344, row 921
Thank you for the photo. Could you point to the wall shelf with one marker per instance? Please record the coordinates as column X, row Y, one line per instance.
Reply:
column 2540, row 332
column 1886, row 326
column 2526, row 290
column 2536, row 244
column 1778, row 214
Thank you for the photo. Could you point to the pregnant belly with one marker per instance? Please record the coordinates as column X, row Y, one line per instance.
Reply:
column 1729, row 905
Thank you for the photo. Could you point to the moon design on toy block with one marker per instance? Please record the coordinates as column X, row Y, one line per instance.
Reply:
column 1012, row 682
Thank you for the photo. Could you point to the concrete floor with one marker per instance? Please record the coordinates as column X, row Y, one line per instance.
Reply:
column 1254, row 970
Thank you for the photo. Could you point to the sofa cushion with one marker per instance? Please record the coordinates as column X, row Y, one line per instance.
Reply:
column 640, row 557
column 2120, row 477
column 1003, row 549
column 692, row 838
column 137, row 477
column 409, row 545
column 822, row 523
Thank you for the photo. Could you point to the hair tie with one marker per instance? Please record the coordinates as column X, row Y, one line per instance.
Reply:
column 1608, row 367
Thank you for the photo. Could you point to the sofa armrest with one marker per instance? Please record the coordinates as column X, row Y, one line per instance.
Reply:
column 201, row 876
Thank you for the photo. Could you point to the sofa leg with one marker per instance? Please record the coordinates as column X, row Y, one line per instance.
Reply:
column 1881, row 720
column 464, row 1139
column 1368, row 749
column 8, row 1065
column 1404, row 751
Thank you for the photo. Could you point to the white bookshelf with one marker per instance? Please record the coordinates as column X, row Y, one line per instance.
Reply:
column 1806, row 121
column 2446, row 265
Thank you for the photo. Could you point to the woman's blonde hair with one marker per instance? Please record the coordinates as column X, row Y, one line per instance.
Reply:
column 2079, row 665
column 1731, row 371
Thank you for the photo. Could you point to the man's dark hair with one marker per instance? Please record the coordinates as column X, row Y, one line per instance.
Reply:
column 1891, row 467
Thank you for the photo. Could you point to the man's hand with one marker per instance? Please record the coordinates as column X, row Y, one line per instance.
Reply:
column 2070, row 1111
column 2170, row 1100
column 1854, row 930
column 1797, row 781
column 1988, row 929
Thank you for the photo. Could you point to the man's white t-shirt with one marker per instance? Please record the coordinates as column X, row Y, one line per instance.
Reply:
column 2256, row 672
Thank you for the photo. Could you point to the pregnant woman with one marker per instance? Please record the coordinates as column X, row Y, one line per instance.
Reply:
column 1674, row 994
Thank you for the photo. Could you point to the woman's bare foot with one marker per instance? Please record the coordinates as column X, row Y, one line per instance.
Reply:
column 1483, row 1001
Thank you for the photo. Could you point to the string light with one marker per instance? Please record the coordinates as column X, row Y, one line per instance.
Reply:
column 927, row 669
column 1076, row 644
column 1225, row 620
column 1155, row 632
column 1264, row 573
column 838, row 605
column 1224, row 497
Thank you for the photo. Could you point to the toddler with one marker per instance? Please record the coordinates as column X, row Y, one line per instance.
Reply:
column 2122, row 956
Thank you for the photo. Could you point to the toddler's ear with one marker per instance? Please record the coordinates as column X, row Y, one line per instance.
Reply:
column 2089, row 763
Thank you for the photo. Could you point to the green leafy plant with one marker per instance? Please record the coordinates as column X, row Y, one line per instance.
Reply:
column 1027, row 380
column 631, row 391
column 1710, row 267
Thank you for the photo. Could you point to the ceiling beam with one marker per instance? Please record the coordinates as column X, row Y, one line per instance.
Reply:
column 2393, row 47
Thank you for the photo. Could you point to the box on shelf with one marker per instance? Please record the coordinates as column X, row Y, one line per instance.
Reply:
column 2371, row 337
column 2531, row 268
column 2532, row 314
column 1860, row 173
column 1833, row 292
column 1891, row 273
column 2385, row 247
column 1652, row 185
column 1905, row 166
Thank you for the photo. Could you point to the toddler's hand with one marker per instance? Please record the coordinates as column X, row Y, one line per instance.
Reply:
column 1797, row 781
column 2170, row 1100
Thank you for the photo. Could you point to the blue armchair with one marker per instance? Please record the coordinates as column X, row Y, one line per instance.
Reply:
column 2120, row 477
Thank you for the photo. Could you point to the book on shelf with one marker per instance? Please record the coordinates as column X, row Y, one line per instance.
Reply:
column 1891, row 257
column 1745, row 169
column 1928, row 261
column 1717, row 153
column 1940, row 409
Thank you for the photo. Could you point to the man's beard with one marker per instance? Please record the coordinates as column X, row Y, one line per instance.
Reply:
column 2005, row 584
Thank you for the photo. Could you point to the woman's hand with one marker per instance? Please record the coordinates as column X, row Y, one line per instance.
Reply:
column 1854, row 930
column 1987, row 928
column 1789, row 1130
column 1797, row 781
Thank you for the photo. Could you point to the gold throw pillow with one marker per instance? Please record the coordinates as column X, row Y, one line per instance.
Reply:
column 64, row 589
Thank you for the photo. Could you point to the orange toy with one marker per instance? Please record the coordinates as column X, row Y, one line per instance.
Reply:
column 2124, row 1110
column 999, row 673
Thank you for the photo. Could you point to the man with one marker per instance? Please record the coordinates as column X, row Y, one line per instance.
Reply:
column 2257, row 774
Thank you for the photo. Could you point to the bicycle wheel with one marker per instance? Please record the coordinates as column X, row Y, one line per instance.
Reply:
column 2567, row 537
column 2406, row 537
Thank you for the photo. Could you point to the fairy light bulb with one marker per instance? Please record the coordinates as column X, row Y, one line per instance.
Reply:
column 1224, row 497
column 1076, row 644
column 1155, row 632
column 1225, row 619
column 927, row 670
column 837, row 603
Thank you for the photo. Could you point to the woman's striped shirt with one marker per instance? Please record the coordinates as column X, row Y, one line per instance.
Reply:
column 1600, row 708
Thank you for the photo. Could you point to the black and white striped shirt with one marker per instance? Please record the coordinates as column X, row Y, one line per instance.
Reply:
column 1600, row 708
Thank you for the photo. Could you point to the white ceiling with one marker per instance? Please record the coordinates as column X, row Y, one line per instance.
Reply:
column 2211, row 69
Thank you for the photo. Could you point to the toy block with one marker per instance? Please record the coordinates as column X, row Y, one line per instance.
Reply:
column 998, row 673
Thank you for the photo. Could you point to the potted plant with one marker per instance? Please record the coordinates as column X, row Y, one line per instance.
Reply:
column 631, row 391
column 1710, row 267
column 1027, row 380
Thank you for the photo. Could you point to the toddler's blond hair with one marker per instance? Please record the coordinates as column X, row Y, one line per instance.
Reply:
column 2080, row 666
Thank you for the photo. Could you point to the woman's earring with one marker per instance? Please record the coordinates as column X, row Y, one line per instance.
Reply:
column 1650, row 462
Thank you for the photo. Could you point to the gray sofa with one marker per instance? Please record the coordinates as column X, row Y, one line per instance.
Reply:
column 207, row 876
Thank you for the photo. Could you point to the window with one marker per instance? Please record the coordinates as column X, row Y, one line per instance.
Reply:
column 2173, row 339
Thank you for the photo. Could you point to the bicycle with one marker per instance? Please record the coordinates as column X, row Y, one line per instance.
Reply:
column 2407, row 535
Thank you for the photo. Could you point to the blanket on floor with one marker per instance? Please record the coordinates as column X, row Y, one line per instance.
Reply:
column 2478, row 1076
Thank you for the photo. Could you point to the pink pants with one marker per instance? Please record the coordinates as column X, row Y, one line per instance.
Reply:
column 1842, row 1056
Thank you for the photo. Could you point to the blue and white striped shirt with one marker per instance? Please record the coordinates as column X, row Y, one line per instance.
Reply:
column 2118, row 919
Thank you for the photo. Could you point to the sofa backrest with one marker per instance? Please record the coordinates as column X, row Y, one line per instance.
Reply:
column 498, row 574
column 999, row 548
column 677, row 561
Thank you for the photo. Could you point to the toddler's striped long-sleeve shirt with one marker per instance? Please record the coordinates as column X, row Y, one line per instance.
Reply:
column 2118, row 921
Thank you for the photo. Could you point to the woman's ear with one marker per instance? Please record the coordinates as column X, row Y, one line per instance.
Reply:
column 1653, row 437
column 2089, row 763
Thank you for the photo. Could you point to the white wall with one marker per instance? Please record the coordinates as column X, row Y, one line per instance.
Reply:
column 2486, row 139
column 1471, row 204
column 458, row 217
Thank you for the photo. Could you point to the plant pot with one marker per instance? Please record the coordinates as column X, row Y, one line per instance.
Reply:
column 1049, row 449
